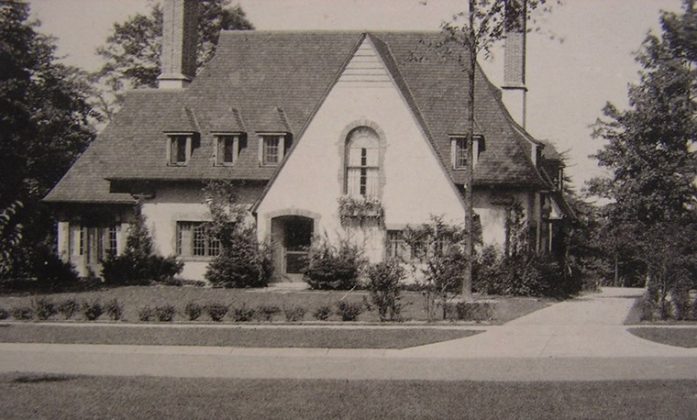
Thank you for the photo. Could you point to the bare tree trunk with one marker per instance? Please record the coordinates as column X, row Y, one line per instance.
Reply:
column 469, row 207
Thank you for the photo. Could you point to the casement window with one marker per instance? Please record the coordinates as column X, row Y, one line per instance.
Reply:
column 94, row 242
column 194, row 240
column 272, row 149
column 397, row 247
column 227, row 150
column 179, row 149
column 362, row 163
column 459, row 153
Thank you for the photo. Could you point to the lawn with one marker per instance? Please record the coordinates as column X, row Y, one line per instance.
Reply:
column 135, row 297
column 57, row 397
column 233, row 336
column 680, row 337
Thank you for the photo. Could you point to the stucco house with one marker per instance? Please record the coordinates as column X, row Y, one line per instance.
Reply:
column 300, row 121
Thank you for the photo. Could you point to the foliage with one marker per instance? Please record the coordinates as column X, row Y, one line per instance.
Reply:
column 217, row 311
column 360, row 209
column 138, row 265
column 383, row 286
column 348, row 311
column 165, row 313
column 442, row 262
column 22, row 313
column 193, row 311
column 243, row 261
column 114, row 309
column 43, row 129
column 472, row 311
column 243, row 313
column 92, row 310
column 44, row 308
column 146, row 313
column 294, row 313
column 4, row 314
column 131, row 54
column 68, row 308
column 50, row 270
column 322, row 313
column 266, row 312
column 334, row 267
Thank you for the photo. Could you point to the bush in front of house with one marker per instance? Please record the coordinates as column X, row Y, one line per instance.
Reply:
column 294, row 313
column 348, row 311
column 146, row 313
column 217, row 311
column 193, row 311
column 334, row 267
column 114, row 309
column 44, row 308
column 243, row 314
column 243, row 262
column 92, row 310
column 322, row 313
column 4, row 314
column 68, row 308
column 266, row 312
column 22, row 313
column 384, row 289
column 165, row 313
column 52, row 272
column 138, row 265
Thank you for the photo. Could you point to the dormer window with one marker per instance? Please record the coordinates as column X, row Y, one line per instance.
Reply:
column 272, row 149
column 458, row 151
column 179, row 149
column 228, row 147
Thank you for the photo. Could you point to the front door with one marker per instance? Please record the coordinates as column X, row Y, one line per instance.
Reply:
column 297, row 241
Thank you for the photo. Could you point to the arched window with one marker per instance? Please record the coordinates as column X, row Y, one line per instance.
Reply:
column 362, row 163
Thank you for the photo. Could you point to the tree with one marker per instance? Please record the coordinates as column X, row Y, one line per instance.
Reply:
column 650, row 154
column 486, row 23
column 43, row 129
column 131, row 53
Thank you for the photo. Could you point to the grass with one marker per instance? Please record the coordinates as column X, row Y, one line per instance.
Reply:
column 679, row 337
column 135, row 297
column 53, row 396
column 326, row 337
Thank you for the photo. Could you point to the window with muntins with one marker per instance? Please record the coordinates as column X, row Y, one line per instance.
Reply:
column 362, row 163
column 460, row 154
column 179, row 150
column 228, row 149
column 194, row 240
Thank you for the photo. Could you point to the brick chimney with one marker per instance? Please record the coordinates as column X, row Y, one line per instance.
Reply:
column 178, row 55
column 514, row 89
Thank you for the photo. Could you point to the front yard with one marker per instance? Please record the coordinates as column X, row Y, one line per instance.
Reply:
column 133, row 298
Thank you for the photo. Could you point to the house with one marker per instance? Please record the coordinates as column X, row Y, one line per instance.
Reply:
column 300, row 121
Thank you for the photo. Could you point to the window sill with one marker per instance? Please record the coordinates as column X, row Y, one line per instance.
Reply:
column 195, row 259
column 177, row 164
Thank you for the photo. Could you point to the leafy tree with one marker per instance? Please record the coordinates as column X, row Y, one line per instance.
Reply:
column 43, row 129
column 650, row 154
column 131, row 53
column 486, row 22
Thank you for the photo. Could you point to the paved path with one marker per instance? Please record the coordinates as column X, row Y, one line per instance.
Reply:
column 581, row 339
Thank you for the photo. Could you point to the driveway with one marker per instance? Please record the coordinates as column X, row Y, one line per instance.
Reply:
column 580, row 339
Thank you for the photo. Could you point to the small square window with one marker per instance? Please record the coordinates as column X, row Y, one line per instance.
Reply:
column 272, row 149
column 179, row 150
column 228, row 148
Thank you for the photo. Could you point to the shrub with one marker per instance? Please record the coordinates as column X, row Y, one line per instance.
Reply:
column 217, row 311
column 4, row 314
column 348, row 311
column 22, row 313
column 165, row 313
column 647, row 308
column 243, row 263
column 383, row 286
column 146, row 313
column 193, row 311
column 334, row 267
column 473, row 311
column 243, row 314
column 44, row 308
column 266, row 312
column 51, row 271
column 92, row 310
column 68, row 308
column 114, row 309
column 322, row 313
column 294, row 313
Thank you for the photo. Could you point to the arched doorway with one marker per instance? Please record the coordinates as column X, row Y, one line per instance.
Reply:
column 291, row 240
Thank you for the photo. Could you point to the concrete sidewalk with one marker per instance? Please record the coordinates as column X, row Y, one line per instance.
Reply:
column 580, row 339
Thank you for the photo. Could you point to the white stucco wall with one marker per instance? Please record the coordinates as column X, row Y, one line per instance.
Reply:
column 414, row 183
column 492, row 214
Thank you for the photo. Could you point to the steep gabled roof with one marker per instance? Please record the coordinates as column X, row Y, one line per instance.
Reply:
column 274, row 82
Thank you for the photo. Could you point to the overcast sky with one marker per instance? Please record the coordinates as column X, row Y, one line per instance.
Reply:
column 571, row 75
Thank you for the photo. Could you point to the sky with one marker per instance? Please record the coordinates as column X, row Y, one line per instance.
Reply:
column 581, row 58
